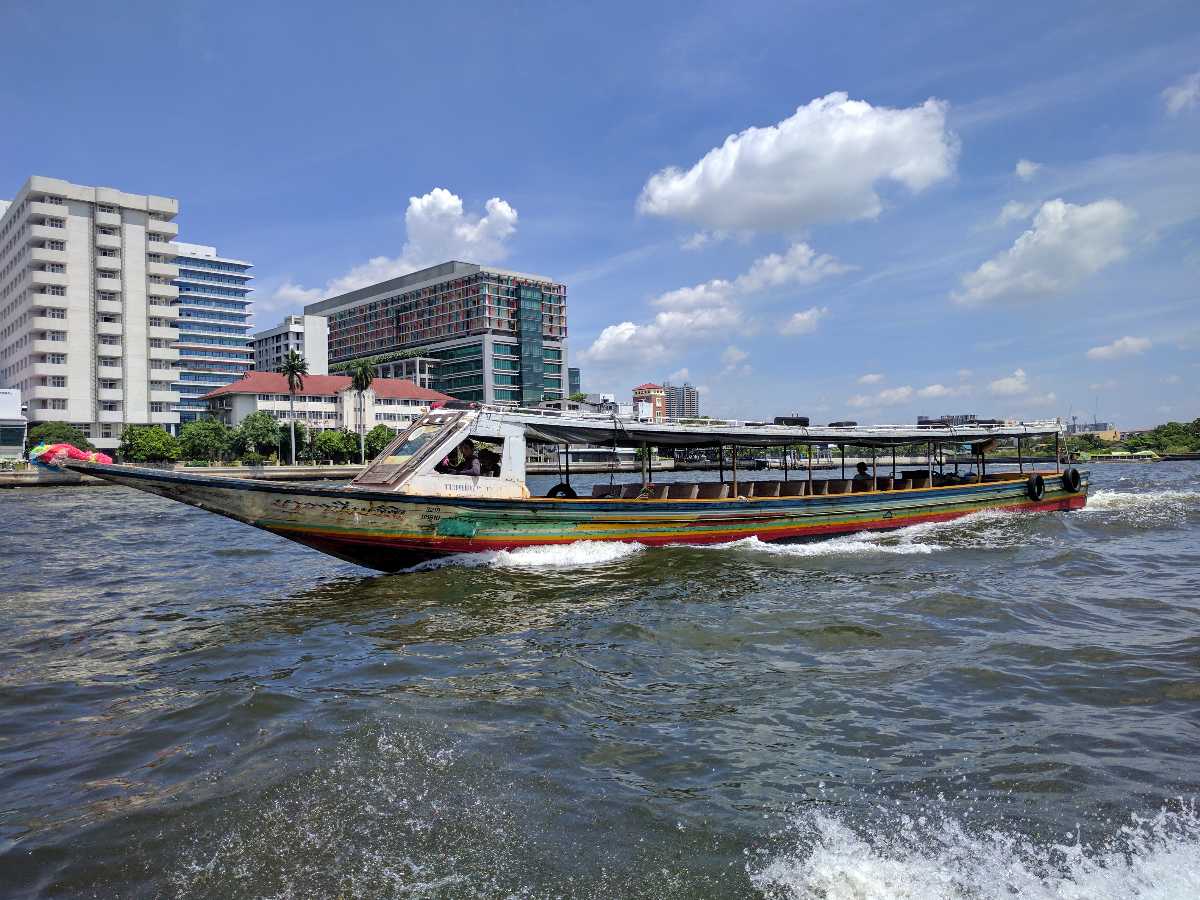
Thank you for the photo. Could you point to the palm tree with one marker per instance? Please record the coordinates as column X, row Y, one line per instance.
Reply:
column 294, row 368
column 362, row 373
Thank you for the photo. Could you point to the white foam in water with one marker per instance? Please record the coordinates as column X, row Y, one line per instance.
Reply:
column 1147, row 500
column 578, row 555
column 1149, row 859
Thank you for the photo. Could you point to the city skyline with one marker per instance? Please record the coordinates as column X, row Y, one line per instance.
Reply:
column 1006, row 225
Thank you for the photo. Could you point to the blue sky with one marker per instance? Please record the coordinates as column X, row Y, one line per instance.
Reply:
column 815, row 208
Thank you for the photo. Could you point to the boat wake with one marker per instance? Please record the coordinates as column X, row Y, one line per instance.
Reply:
column 984, row 530
column 578, row 555
column 1106, row 500
column 936, row 858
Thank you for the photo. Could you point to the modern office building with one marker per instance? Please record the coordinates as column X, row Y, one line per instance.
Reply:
column 88, row 321
column 650, row 402
column 500, row 336
column 214, row 313
column 683, row 401
column 573, row 382
column 327, row 401
column 307, row 335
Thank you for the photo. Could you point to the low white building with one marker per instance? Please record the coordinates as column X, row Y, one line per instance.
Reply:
column 325, row 401
column 12, row 425
column 307, row 335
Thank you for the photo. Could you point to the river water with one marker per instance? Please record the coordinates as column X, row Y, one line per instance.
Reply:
column 1004, row 706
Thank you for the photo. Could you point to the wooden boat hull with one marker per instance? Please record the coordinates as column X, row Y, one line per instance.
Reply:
column 391, row 532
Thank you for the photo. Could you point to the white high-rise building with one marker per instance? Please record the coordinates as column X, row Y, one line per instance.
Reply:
column 307, row 335
column 87, row 323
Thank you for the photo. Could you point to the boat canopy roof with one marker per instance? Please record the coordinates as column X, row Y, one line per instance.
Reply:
column 569, row 427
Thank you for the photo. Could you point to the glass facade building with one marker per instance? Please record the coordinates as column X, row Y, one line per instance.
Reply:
column 214, row 330
column 497, row 336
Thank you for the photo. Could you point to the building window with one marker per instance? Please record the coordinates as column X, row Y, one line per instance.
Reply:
column 158, row 407
column 54, row 313
column 111, row 406
column 110, row 384
column 55, row 290
column 105, row 209
column 58, row 381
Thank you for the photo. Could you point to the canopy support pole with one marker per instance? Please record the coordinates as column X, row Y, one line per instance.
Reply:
column 843, row 449
column 1020, row 458
column 1057, row 454
column 721, row 458
column 893, row 464
column 874, row 479
column 645, row 461
column 567, row 450
column 785, row 462
column 810, row 470
column 929, row 460
column 982, row 465
column 735, row 484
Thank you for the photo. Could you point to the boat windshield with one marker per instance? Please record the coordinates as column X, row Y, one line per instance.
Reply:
column 403, row 453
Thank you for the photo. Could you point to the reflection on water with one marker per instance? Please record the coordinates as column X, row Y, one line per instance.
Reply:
column 1000, row 706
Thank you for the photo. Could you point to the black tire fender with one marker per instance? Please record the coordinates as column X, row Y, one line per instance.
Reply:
column 1072, row 480
column 562, row 490
column 1035, row 487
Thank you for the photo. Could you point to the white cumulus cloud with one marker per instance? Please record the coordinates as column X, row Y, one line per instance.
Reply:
column 804, row 322
column 870, row 378
column 1125, row 346
column 1026, row 169
column 437, row 229
column 822, row 164
column 712, row 308
column 934, row 391
column 893, row 396
column 1066, row 244
column 1011, row 385
column 1183, row 95
column 1015, row 212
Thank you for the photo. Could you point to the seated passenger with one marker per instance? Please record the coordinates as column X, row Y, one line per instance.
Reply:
column 863, row 481
column 489, row 463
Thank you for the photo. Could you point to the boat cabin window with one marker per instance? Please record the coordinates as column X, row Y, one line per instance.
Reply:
column 480, row 456
column 408, row 449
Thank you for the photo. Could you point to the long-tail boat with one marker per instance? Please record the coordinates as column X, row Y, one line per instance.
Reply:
column 409, row 506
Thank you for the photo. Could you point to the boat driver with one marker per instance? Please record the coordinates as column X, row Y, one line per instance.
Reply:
column 468, row 463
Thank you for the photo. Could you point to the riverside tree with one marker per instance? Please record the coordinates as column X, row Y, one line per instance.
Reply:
column 258, row 434
column 329, row 446
column 362, row 373
column 294, row 368
column 378, row 438
column 205, row 439
column 148, row 443
column 57, row 433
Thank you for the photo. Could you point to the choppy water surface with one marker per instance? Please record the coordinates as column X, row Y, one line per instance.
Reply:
column 1006, row 706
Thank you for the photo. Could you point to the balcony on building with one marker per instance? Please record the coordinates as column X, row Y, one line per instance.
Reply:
column 108, row 241
column 163, row 227
column 162, row 310
column 108, row 219
column 44, row 323
column 110, row 307
column 167, row 291
column 46, row 255
column 167, row 270
column 43, row 345
column 47, row 392
column 48, row 368
column 53, row 301
column 164, row 397
column 108, row 281
column 110, row 328
column 165, row 353
column 164, row 247
column 39, row 278
column 41, row 232
column 106, row 371
column 110, row 394
column 110, row 415
column 169, row 333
